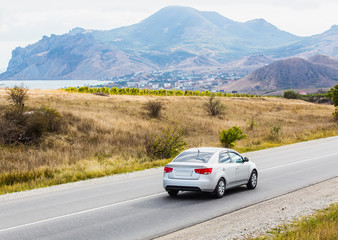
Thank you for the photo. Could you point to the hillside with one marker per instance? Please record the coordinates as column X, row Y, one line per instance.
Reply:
column 108, row 135
column 324, row 60
column 292, row 73
column 324, row 44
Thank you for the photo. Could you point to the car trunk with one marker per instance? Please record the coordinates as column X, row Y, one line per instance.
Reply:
column 185, row 171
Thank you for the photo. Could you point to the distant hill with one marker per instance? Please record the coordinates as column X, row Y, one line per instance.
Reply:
column 324, row 60
column 292, row 73
column 249, row 63
column 174, row 38
column 323, row 44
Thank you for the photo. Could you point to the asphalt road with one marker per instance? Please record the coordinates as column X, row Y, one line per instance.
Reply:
column 137, row 207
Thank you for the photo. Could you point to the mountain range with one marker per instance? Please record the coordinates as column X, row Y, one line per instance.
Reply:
column 174, row 38
column 319, row 71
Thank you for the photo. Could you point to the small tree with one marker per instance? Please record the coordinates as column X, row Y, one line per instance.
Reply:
column 214, row 106
column 292, row 95
column 333, row 95
column 229, row 137
column 17, row 95
column 154, row 107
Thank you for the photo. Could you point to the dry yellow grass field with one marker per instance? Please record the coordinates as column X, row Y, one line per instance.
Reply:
column 106, row 135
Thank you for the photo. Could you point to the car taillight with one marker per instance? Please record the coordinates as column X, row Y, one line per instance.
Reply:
column 168, row 169
column 205, row 171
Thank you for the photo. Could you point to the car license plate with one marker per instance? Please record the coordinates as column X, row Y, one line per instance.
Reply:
column 183, row 173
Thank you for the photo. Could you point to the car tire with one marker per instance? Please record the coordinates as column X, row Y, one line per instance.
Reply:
column 252, row 183
column 173, row 193
column 220, row 188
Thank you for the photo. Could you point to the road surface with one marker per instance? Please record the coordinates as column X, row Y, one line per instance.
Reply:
column 137, row 207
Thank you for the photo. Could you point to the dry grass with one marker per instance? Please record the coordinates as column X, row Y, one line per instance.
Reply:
column 320, row 226
column 106, row 135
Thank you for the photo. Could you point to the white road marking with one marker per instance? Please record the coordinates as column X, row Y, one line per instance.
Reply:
column 80, row 212
column 293, row 163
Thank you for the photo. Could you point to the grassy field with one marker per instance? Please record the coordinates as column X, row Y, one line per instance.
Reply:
column 106, row 134
column 320, row 226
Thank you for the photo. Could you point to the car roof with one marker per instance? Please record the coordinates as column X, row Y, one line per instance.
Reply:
column 209, row 149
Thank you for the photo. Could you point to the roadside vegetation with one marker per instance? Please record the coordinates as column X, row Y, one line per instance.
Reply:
column 322, row 97
column 333, row 95
column 147, row 92
column 100, row 135
column 322, row 225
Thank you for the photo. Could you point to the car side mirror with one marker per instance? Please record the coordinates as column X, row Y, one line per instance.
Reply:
column 245, row 159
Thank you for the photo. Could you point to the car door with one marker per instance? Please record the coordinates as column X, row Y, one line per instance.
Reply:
column 228, row 168
column 242, row 168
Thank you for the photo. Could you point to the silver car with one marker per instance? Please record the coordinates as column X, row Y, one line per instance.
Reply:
column 209, row 170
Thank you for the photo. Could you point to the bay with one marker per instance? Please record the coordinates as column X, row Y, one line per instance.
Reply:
column 49, row 84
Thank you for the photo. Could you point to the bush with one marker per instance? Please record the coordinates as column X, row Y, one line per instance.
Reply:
column 333, row 95
column 252, row 124
column 275, row 132
column 101, row 94
column 292, row 95
column 229, row 137
column 154, row 107
column 335, row 114
column 165, row 145
column 51, row 118
column 28, row 127
column 214, row 106
column 17, row 95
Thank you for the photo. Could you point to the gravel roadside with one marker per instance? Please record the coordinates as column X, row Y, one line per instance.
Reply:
column 257, row 219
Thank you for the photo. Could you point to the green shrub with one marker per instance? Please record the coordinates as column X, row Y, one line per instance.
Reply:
column 335, row 114
column 229, row 137
column 113, row 90
column 275, row 132
column 333, row 95
column 292, row 95
column 214, row 107
column 84, row 89
column 165, row 145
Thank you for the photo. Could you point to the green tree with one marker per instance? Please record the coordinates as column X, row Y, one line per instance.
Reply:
column 292, row 95
column 229, row 137
column 333, row 95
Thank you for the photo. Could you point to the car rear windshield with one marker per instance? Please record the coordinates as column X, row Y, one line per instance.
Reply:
column 194, row 157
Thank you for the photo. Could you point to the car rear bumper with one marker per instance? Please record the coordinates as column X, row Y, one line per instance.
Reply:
column 205, row 184
column 183, row 188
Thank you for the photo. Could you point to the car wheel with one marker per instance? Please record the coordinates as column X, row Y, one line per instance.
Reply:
column 173, row 193
column 220, row 188
column 253, row 180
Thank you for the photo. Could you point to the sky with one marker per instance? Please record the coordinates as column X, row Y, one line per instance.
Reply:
column 25, row 22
